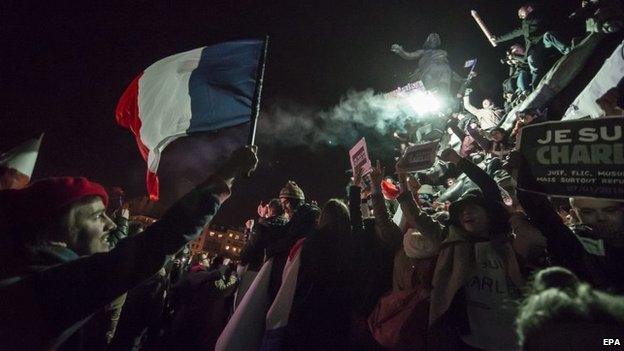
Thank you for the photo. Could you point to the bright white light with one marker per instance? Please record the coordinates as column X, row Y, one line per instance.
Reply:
column 423, row 102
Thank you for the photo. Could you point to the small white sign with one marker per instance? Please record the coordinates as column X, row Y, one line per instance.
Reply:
column 420, row 156
column 359, row 157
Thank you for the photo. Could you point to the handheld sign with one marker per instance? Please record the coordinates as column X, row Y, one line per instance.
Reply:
column 411, row 87
column 421, row 156
column 359, row 157
column 576, row 158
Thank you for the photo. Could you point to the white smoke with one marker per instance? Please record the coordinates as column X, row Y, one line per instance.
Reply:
column 293, row 124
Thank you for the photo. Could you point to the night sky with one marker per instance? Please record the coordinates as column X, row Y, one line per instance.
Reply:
column 65, row 64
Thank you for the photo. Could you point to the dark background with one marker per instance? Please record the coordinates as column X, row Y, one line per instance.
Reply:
column 65, row 64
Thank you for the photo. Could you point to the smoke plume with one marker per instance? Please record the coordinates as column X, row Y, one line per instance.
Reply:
column 357, row 113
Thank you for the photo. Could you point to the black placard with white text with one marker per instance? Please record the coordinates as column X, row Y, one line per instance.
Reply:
column 577, row 158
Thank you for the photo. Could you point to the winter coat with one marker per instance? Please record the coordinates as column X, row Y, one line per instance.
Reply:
column 56, row 301
column 456, row 261
column 301, row 225
column 266, row 233
column 142, row 314
column 532, row 29
column 602, row 270
column 95, row 332
column 203, row 301
column 488, row 117
column 320, row 316
column 372, row 258
column 409, row 274
column 498, row 149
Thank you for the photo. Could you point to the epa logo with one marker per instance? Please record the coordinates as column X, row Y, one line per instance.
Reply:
column 611, row 342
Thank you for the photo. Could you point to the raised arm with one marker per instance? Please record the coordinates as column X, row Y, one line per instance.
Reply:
column 468, row 106
column 398, row 49
column 453, row 123
column 415, row 218
column 68, row 293
column 255, row 243
column 389, row 232
column 355, row 200
column 488, row 186
column 509, row 36
column 565, row 249
column 485, row 144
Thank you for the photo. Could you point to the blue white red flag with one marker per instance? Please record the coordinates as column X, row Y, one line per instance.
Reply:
column 204, row 89
column 279, row 312
column 470, row 63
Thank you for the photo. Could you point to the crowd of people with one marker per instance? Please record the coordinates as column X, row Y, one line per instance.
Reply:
column 460, row 259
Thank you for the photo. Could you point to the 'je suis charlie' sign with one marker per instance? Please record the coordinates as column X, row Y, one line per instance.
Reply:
column 576, row 158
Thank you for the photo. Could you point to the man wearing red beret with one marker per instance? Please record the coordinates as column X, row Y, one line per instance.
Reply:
column 43, row 305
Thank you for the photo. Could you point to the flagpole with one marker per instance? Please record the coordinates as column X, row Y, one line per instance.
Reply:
column 255, row 104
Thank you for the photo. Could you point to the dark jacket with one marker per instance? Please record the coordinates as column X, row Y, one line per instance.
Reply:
column 372, row 259
column 302, row 225
column 92, row 334
column 142, row 314
column 498, row 149
column 455, row 264
column 603, row 272
column 532, row 29
column 264, row 234
column 320, row 316
column 202, row 304
column 42, row 309
column 468, row 145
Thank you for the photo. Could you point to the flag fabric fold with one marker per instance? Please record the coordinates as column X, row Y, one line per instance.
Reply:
column 204, row 89
column 279, row 312
column 246, row 327
column 17, row 164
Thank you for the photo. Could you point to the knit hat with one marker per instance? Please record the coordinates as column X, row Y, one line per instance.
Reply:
column 46, row 198
column 292, row 191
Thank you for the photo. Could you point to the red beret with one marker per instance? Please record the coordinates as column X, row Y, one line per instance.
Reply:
column 47, row 197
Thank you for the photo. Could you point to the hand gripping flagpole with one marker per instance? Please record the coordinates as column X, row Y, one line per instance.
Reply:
column 255, row 104
column 484, row 29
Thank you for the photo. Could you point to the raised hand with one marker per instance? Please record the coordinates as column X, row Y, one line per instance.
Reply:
column 263, row 210
column 357, row 177
column 376, row 176
column 249, row 224
column 242, row 162
column 400, row 166
column 413, row 184
column 125, row 213
column 396, row 48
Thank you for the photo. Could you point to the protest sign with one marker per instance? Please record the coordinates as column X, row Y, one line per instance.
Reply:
column 359, row 157
column 421, row 156
column 576, row 158
column 411, row 87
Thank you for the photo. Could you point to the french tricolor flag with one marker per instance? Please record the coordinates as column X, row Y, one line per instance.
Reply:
column 204, row 89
